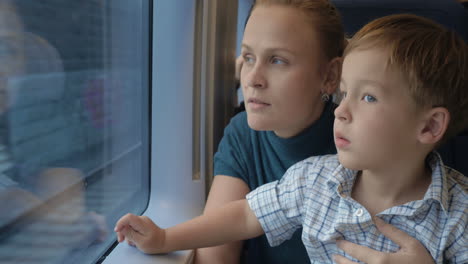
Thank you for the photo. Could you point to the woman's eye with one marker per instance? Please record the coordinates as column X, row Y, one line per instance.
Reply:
column 369, row 98
column 277, row 61
column 342, row 95
column 248, row 59
column 339, row 96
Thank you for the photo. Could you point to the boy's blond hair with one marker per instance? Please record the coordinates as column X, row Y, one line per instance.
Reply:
column 324, row 17
column 433, row 59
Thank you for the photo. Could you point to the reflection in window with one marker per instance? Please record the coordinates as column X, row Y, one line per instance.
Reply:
column 73, row 125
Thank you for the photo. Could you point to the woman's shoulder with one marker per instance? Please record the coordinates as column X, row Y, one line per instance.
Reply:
column 238, row 126
column 236, row 133
column 239, row 121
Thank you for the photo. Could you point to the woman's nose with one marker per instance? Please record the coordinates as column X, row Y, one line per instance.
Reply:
column 256, row 77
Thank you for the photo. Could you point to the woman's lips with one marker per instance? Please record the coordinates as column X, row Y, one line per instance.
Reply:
column 256, row 104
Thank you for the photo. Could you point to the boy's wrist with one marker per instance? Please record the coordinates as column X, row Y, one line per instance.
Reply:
column 158, row 243
column 163, row 246
column 155, row 242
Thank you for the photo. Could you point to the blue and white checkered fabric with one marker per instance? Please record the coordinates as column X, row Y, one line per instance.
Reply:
column 315, row 194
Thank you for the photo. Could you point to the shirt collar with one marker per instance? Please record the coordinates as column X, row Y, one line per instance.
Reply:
column 341, row 180
column 437, row 190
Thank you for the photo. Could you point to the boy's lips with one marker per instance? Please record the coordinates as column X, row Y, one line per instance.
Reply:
column 340, row 141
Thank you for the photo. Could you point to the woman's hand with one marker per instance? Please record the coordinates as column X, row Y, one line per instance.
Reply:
column 411, row 250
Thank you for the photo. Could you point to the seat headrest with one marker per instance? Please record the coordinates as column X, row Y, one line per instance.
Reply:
column 357, row 13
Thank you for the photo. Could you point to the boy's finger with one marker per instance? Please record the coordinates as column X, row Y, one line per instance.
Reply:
column 121, row 223
column 130, row 243
column 131, row 235
column 396, row 235
column 120, row 237
column 359, row 252
column 129, row 220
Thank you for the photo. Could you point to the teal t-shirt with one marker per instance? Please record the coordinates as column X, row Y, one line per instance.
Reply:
column 259, row 157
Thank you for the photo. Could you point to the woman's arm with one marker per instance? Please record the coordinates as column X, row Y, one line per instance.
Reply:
column 232, row 222
column 223, row 190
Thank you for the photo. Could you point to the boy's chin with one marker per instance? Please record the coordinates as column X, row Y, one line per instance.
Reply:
column 349, row 162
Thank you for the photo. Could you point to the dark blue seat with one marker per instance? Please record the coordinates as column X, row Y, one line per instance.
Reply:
column 455, row 152
column 450, row 13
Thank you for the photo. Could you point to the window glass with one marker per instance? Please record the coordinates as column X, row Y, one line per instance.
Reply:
column 73, row 125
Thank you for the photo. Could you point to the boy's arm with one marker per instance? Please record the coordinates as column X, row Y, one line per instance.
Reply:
column 232, row 222
column 224, row 189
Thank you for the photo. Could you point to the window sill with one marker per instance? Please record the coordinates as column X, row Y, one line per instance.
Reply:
column 124, row 253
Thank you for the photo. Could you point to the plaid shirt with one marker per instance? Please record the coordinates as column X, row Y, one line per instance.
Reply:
column 316, row 194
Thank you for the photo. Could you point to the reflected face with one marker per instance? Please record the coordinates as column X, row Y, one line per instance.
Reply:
column 281, row 76
column 12, row 64
column 377, row 119
column 11, row 49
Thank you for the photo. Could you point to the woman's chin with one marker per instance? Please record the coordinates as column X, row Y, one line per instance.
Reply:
column 258, row 124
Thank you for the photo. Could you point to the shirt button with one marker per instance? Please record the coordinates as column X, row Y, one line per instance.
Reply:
column 359, row 212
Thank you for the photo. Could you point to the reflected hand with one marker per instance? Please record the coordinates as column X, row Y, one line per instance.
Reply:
column 239, row 62
column 140, row 231
column 100, row 225
column 411, row 250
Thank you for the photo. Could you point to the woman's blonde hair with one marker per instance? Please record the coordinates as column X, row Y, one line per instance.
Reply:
column 324, row 18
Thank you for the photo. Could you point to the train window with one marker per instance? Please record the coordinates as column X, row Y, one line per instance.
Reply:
column 74, row 125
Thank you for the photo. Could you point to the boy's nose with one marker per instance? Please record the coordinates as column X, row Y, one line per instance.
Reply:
column 342, row 113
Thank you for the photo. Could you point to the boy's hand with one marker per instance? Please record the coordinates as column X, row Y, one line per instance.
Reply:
column 411, row 250
column 141, row 232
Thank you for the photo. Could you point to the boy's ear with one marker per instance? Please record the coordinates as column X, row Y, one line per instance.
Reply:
column 434, row 126
column 333, row 75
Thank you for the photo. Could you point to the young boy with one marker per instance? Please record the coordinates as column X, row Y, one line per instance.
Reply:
column 404, row 91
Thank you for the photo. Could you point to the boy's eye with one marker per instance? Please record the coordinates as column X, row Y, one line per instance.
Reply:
column 369, row 98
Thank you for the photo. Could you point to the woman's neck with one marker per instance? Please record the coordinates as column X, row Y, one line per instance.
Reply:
column 302, row 124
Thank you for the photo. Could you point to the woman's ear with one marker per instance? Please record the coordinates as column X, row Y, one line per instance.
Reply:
column 333, row 75
column 434, row 125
